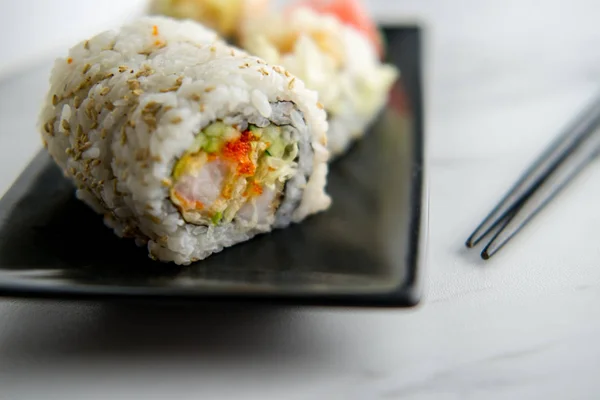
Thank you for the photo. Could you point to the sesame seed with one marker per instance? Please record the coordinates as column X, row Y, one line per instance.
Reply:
column 85, row 146
column 77, row 102
column 176, row 120
column 138, row 92
column 152, row 107
column 150, row 121
column 166, row 182
column 286, row 73
column 103, row 134
column 86, row 45
column 66, row 126
column 319, row 105
column 291, row 83
column 123, row 135
column 54, row 100
column 142, row 154
column 110, row 106
column 133, row 84
column 51, row 126
column 86, row 68
column 209, row 89
column 104, row 91
column 123, row 68
column 154, row 218
column 195, row 97
column 146, row 72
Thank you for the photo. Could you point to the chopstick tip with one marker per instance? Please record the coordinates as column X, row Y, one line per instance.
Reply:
column 485, row 255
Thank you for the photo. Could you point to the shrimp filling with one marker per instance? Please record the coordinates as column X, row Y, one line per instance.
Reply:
column 229, row 173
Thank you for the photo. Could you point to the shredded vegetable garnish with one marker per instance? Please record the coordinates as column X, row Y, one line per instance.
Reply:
column 232, row 169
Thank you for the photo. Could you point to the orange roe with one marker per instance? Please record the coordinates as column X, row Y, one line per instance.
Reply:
column 253, row 189
column 257, row 189
column 239, row 151
column 69, row 60
column 155, row 30
column 188, row 204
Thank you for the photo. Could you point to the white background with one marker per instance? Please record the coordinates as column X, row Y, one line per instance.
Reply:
column 502, row 78
column 33, row 29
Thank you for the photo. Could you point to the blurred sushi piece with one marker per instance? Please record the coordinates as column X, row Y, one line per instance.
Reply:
column 335, row 48
column 224, row 16
column 349, row 12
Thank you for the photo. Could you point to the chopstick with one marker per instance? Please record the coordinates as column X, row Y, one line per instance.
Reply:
column 568, row 155
column 547, row 190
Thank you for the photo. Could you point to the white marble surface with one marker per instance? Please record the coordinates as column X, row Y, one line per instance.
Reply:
column 523, row 326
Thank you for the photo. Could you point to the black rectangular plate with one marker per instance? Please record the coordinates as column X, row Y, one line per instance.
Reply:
column 365, row 251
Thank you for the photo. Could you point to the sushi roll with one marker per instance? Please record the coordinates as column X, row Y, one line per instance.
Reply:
column 224, row 16
column 338, row 56
column 182, row 142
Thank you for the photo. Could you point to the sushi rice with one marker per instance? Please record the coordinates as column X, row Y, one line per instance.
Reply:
column 182, row 142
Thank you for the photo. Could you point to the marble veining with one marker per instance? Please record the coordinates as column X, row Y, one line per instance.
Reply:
column 502, row 79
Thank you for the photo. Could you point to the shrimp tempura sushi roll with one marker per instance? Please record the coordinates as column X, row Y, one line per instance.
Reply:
column 331, row 46
column 182, row 142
